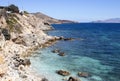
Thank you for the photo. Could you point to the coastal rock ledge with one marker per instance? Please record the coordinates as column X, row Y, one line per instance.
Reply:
column 20, row 34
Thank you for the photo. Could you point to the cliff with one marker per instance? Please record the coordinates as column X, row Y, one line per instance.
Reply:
column 20, row 34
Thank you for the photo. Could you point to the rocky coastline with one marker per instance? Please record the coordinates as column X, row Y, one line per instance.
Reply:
column 20, row 35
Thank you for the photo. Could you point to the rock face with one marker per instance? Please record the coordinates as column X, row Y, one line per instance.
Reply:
column 20, row 34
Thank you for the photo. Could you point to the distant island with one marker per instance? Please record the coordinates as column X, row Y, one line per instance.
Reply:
column 112, row 20
column 51, row 20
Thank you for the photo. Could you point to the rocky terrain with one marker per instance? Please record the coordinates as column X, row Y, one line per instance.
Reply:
column 51, row 20
column 20, row 34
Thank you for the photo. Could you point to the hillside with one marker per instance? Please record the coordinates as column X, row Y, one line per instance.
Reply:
column 112, row 20
column 51, row 20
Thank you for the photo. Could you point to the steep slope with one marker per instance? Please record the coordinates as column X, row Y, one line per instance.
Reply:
column 51, row 20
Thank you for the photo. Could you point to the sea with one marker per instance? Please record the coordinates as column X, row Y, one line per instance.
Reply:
column 94, row 50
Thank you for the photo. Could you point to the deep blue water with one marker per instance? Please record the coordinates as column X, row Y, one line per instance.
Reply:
column 96, row 50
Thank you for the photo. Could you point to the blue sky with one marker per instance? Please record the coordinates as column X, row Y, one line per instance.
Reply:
column 78, row 10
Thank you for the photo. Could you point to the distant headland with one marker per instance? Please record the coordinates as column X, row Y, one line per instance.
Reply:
column 112, row 20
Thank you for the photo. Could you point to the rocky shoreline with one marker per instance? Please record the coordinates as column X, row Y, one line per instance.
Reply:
column 20, row 35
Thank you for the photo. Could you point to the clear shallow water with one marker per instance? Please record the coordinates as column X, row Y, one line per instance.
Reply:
column 98, row 53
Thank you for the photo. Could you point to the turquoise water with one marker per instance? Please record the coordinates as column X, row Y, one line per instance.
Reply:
column 96, row 50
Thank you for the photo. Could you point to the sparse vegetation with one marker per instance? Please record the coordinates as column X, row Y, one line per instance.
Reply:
column 13, row 25
column 25, row 12
column 11, row 22
column 6, row 34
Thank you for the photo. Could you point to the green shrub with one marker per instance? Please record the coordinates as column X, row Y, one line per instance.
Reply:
column 25, row 12
column 13, row 8
column 6, row 34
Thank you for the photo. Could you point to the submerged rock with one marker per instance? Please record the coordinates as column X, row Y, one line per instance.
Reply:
column 83, row 74
column 66, row 39
column 61, row 54
column 56, row 51
column 63, row 73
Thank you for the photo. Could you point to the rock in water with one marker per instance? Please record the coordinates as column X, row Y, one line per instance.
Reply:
column 83, row 74
column 61, row 54
column 67, row 39
column 44, row 79
column 56, row 51
column 73, row 79
column 63, row 73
